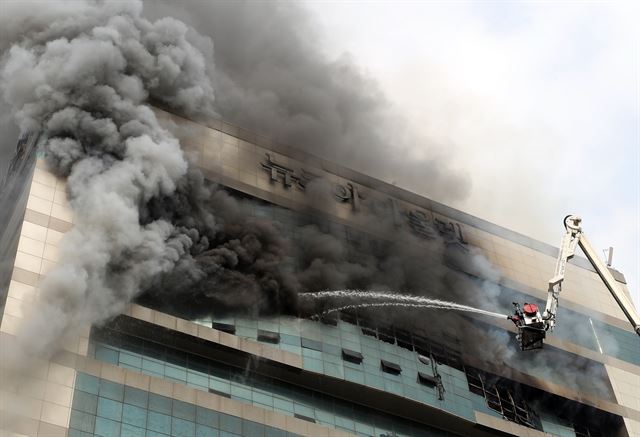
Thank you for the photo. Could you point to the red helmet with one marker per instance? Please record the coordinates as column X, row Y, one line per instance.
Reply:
column 530, row 308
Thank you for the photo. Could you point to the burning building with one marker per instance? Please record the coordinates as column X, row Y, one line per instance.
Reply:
column 167, row 273
column 229, row 341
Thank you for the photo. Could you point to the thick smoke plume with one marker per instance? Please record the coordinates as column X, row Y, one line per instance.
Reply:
column 273, row 77
column 83, row 72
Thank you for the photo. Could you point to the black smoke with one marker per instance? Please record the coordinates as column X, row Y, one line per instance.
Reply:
column 273, row 78
column 84, row 73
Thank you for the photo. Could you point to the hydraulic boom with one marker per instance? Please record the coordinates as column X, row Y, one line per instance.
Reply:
column 532, row 326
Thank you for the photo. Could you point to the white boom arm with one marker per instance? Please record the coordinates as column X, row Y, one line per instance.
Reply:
column 573, row 237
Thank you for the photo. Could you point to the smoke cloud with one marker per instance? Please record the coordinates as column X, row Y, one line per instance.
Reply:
column 145, row 222
column 82, row 76
column 83, row 73
column 273, row 78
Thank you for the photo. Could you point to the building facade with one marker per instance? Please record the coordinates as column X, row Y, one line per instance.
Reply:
column 157, row 370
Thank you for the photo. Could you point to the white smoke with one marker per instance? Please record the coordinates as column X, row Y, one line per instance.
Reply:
column 81, row 72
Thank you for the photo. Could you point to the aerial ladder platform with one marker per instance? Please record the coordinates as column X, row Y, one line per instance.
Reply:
column 533, row 326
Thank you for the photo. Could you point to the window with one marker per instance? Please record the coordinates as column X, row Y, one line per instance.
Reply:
column 349, row 318
column 404, row 344
column 268, row 336
column 224, row 327
column 404, row 339
column 163, row 415
column 308, row 419
column 370, row 332
column 389, row 367
column 386, row 338
column 500, row 397
column 219, row 393
column 351, row 356
column 311, row 344
column 330, row 319
column 424, row 360
column 428, row 380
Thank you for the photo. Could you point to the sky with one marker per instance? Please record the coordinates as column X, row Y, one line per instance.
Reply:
column 537, row 101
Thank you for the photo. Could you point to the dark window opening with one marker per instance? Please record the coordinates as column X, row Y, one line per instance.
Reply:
column 390, row 367
column 502, row 399
column 224, row 327
column 307, row 418
column 351, row 356
column 428, row 380
column 403, row 336
column 348, row 317
column 475, row 384
column 386, row 338
column 586, row 431
column 268, row 336
column 442, row 354
column 370, row 332
column 220, row 393
column 330, row 319
column 437, row 352
column 404, row 344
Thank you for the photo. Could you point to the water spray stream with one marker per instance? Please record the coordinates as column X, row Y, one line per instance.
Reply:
column 394, row 299
column 375, row 305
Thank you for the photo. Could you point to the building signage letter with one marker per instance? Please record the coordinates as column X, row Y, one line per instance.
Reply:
column 451, row 232
column 420, row 224
column 348, row 193
column 277, row 171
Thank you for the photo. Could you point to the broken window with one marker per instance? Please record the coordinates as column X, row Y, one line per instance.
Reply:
column 501, row 399
column 370, row 332
column 330, row 319
column 582, row 430
column 404, row 339
column 386, row 338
